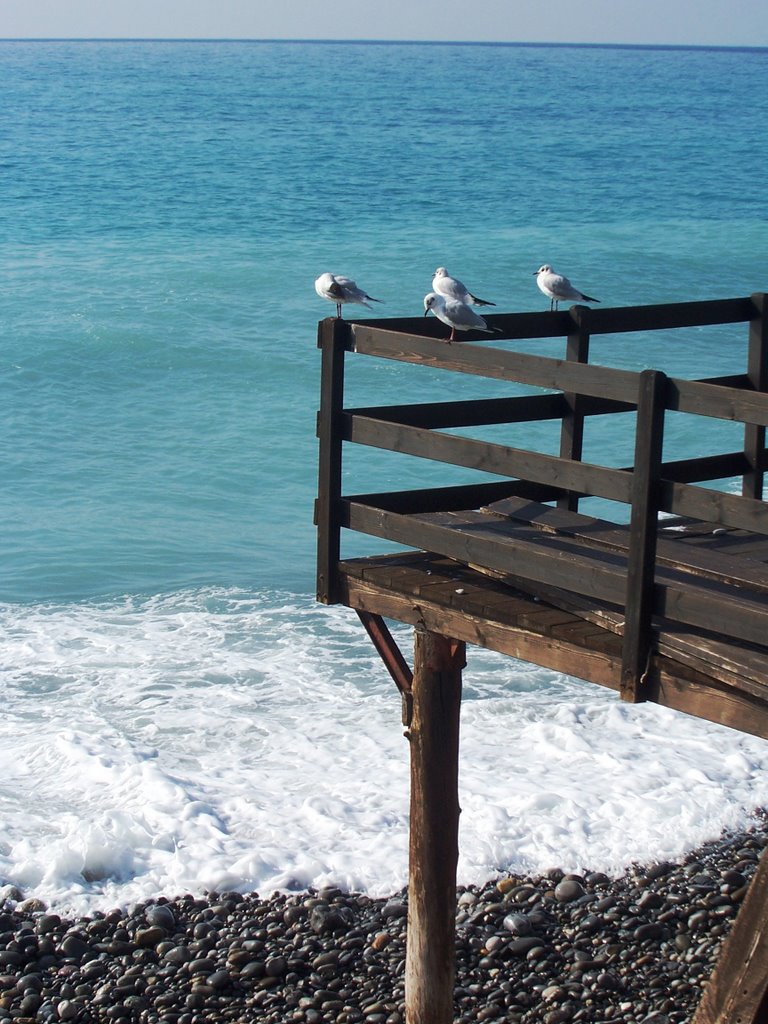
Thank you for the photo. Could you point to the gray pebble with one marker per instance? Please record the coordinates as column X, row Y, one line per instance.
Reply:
column 568, row 890
column 518, row 924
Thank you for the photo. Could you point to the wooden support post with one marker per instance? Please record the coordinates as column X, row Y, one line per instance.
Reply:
column 757, row 371
column 572, row 431
column 737, row 992
column 434, row 830
column 332, row 336
column 641, row 558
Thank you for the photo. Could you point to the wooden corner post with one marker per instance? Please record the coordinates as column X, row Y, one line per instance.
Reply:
column 332, row 336
column 641, row 561
column 434, row 829
column 757, row 372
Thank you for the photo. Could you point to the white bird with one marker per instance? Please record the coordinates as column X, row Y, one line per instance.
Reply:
column 558, row 288
column 457, row 315
column 452, row 288
column 340, row 290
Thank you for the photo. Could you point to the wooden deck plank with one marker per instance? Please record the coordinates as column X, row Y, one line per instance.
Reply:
column 601, row 666
column 749, row 573
column 736, row 665
column 581, row 649
column 475, row 537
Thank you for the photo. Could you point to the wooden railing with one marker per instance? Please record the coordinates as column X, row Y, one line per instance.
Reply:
column 577, row 391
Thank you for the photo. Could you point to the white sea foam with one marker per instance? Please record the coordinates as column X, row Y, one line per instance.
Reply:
column 221, row 740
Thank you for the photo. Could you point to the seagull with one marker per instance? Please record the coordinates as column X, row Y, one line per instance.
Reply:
column 457, row 315
column 558, row 288
column 339, row 289
column 452, row 288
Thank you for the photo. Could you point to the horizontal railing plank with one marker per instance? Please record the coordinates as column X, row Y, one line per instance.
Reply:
column 705, row 467
column 665, row 316
column 470, row 413
column 498, row 364
column 614, row 484
column 713, row 506
column 487, row 411
column 454, row 499
column 701, row 398
column 610, row 320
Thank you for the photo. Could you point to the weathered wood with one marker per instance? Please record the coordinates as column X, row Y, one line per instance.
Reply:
column 572, row 427
column 757, row 373
column 516, row 409
column 476, row 539
column 710, row 506
column 392, row 657
column 461, row 496
column 434, row 829
column 523, row 326
column 614, row 484
column 497, row 364
column 671, row 549
column 702, row 399
column 490, row 627
column 514, row 325
column 663, row 317
column 737, row 991
column 482, row 411
column 332, row 339
column 705, row 467
column 641, row 555
column 671, row 683
column 737, row 665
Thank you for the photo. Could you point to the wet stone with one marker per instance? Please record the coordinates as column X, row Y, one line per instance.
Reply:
column 568, row 890
column 74, row 946
column 149, row 936
column 161, row 916
column 518, row 924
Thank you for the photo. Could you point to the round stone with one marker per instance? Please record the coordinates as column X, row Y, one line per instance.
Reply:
column 160, row 916
column 568, row 890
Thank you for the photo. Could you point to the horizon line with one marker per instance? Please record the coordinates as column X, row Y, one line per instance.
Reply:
column 739, row 47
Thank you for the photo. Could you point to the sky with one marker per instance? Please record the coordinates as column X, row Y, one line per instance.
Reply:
column 670, row 22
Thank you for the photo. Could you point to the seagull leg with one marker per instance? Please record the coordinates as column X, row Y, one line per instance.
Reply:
column 453, row 334
column 338, row 310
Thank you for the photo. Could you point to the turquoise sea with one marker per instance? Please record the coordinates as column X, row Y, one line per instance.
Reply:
column 164, row 210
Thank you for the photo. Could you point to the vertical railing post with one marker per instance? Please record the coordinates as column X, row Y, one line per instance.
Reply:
column 757, row 371
column 572, row 429
column 430, row 963
column 332, row 335
column 641, row 559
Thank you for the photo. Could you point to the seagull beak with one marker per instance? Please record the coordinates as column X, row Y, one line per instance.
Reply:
column 426, row 311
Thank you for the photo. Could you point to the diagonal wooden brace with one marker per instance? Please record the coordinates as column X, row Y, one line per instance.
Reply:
column 392, row 657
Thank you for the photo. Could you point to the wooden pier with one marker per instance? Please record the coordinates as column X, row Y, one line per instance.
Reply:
column 664, row 599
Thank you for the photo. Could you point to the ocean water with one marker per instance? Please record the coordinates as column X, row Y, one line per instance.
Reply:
column 177, row 712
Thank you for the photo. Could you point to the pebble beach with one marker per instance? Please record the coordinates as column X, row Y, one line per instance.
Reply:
column 553, row 948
